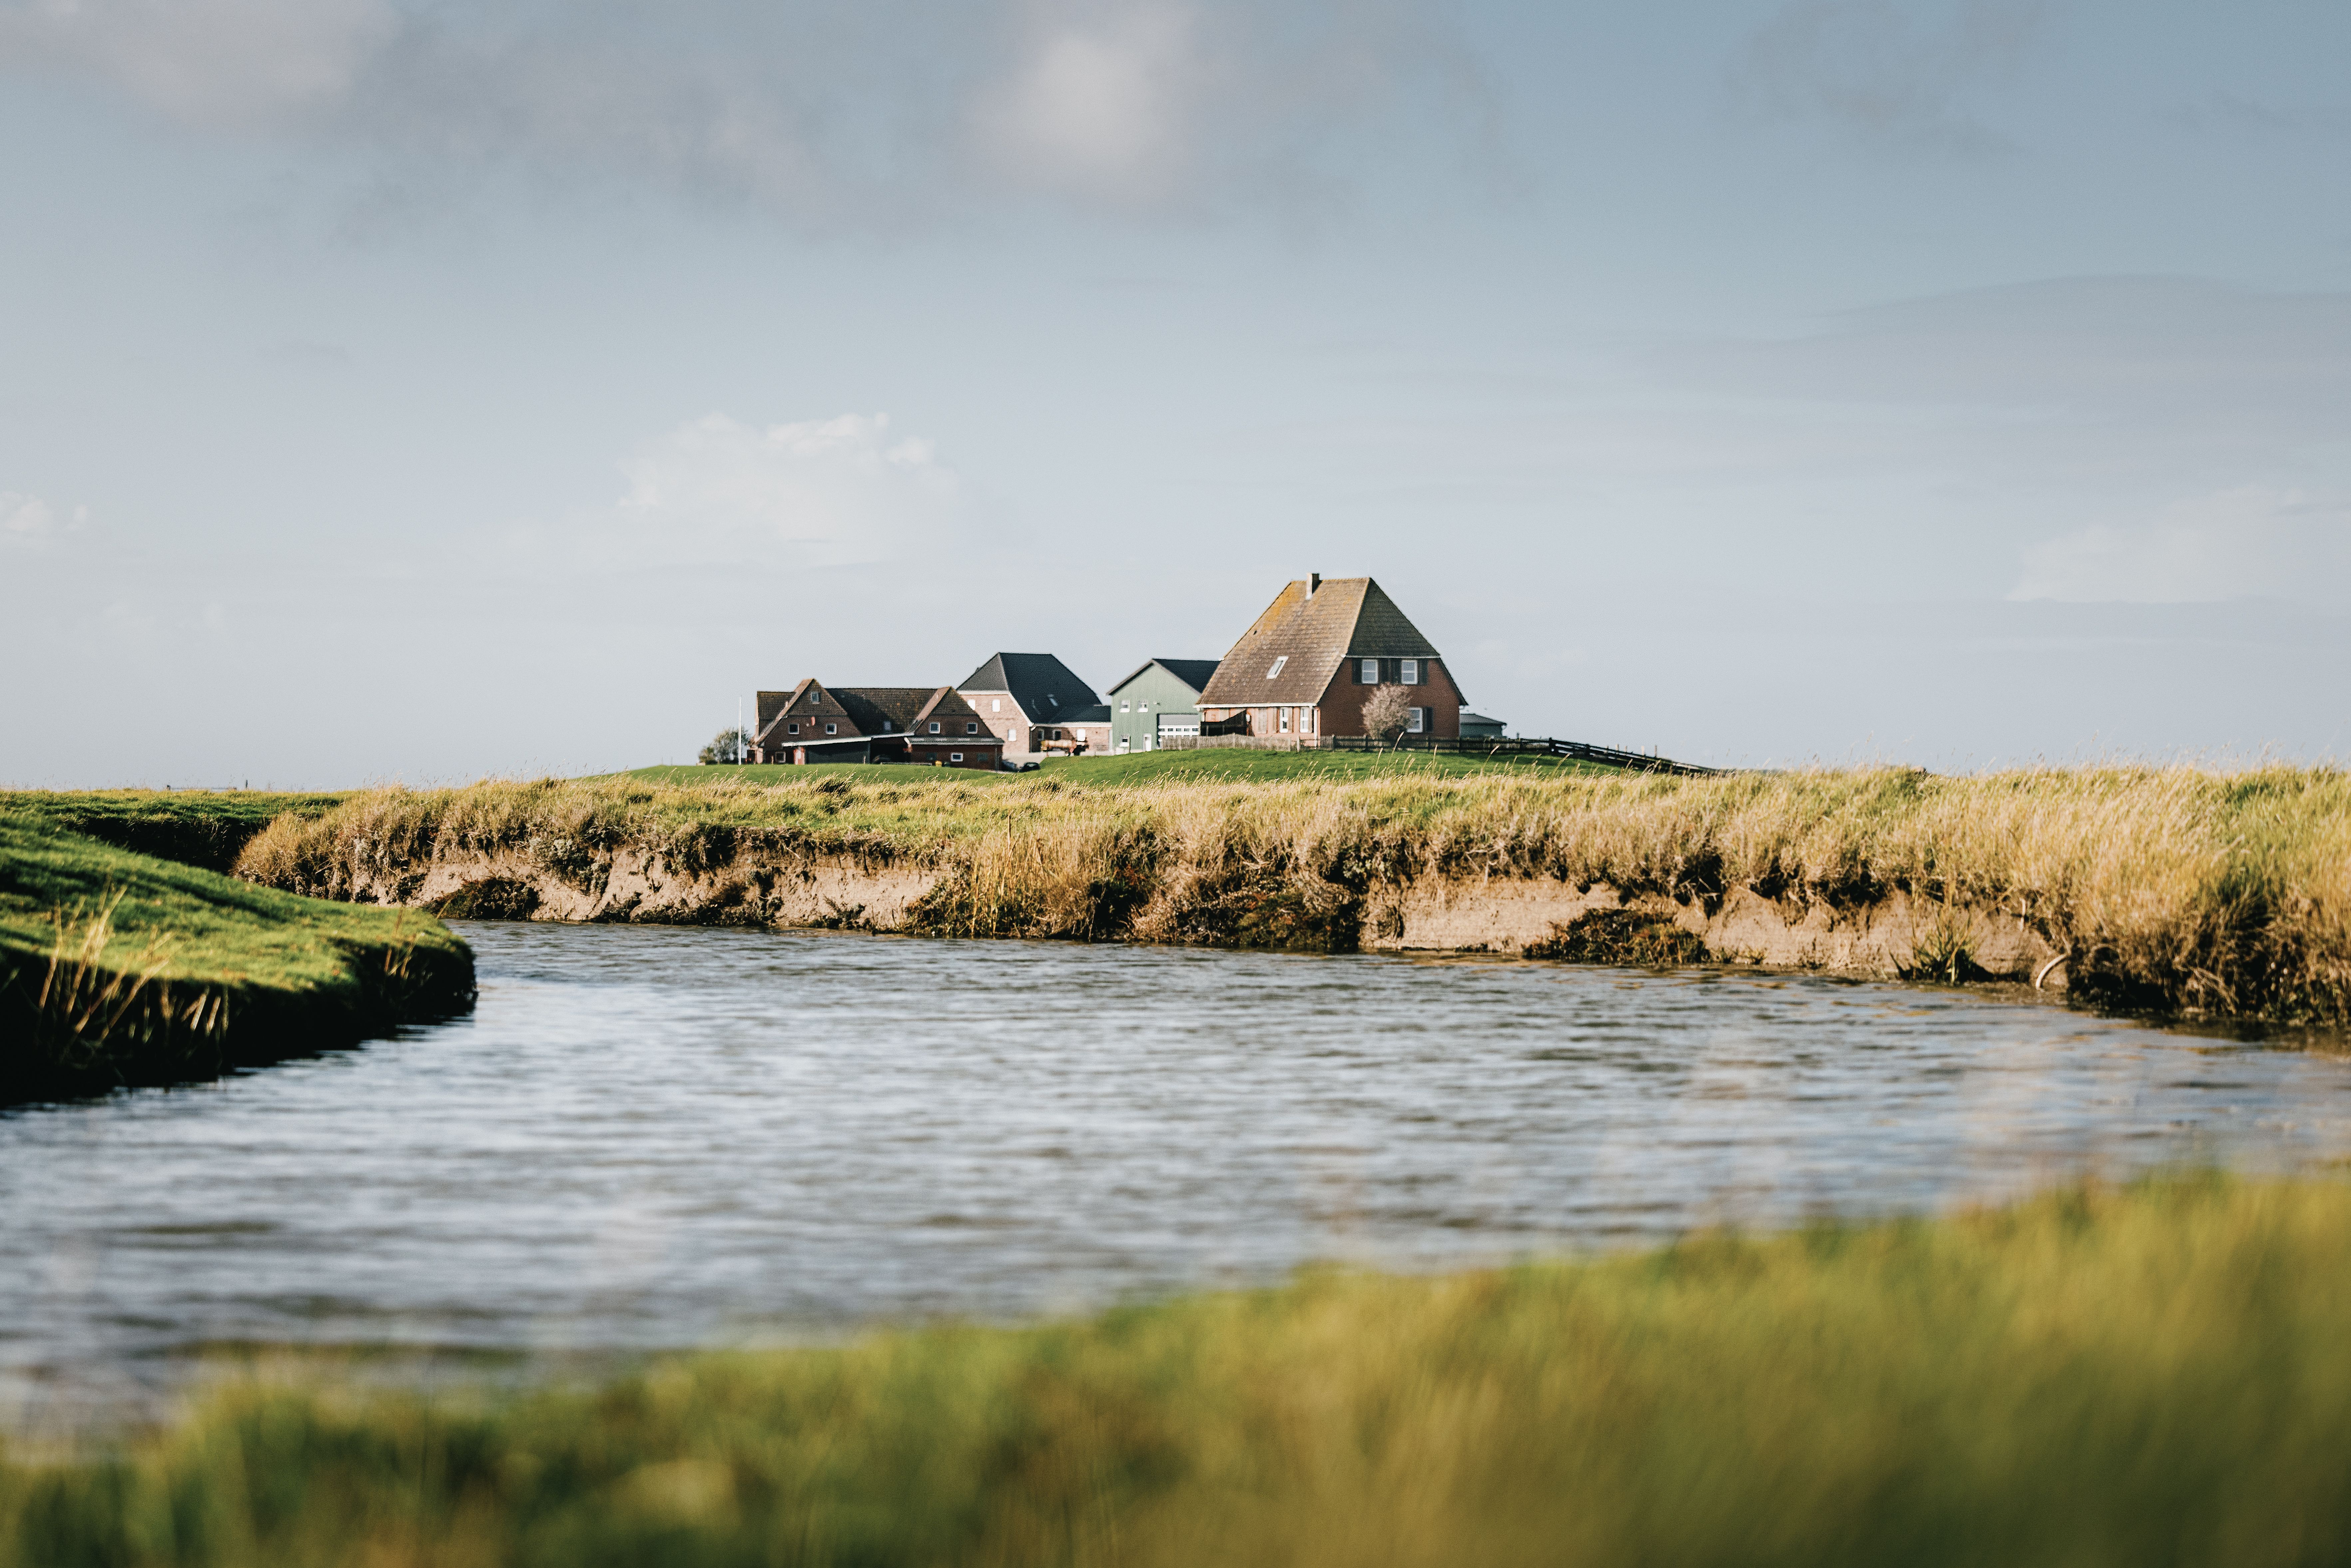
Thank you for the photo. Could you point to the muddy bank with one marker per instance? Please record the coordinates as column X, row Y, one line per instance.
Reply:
column 2157, row 890
column 1894, row 935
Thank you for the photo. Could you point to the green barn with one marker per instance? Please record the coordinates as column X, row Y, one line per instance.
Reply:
column 1162, row 698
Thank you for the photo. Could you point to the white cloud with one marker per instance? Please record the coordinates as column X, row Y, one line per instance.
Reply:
column 1102, row 109
column 2251, row 541
column 830, row 492
column 233, row 62
column 28, row 522
column 833, row 113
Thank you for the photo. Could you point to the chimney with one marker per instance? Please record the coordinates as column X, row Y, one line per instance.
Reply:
column 1313, row 581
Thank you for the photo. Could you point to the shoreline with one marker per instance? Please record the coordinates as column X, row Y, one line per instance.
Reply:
column 119, row 970
column 1992, row 1384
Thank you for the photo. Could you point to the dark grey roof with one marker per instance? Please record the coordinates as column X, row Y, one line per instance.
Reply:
column 899, row 707
column 1193, row 672
column 1047, row 690
column 1467, row 717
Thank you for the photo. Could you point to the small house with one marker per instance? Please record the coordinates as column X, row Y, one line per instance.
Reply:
column 1477, row 726
column 1037, row 706
column 1314, row 658
column 1160, row 700
column 928, row 726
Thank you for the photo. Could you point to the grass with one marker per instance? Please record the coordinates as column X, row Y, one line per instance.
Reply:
column 118, row 967
column 2154, row 1375
column 2166, row 889
column 203, row 828
column 1219, row 766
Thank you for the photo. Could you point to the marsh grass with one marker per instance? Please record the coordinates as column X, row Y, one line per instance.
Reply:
column 2154, row 1375
column 118, row 967
column 2165, row 889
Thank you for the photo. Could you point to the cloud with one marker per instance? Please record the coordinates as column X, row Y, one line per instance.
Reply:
column 830, row 492
column 1901, row 72
column 832, row 113
column 210, row 62
column 27, row 522
column 1100, row 107
column 2250, row 541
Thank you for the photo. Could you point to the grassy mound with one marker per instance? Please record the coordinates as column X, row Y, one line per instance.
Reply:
column 207, row 828
column 2156, row 1375
column 121, row 969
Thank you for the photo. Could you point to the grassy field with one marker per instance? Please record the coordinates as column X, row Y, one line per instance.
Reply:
column 119, row 968
column 2169, row 889
column 1221, row 765
column 203, row 828
column 2158, row 1374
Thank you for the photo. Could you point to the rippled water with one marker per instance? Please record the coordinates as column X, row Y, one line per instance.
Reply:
column 650, row 1137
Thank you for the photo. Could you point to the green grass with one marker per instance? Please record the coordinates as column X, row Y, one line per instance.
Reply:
column 1220, row 765
column 2159, row 1375
column 692, row 774
column 1238, row 765
column 206, row 828
column 119, row 968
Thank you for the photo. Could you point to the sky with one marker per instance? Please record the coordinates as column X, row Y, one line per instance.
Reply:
column 414, row 392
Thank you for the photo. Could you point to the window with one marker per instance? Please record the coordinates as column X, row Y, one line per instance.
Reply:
column 832, row 728
column 934, row 726
column 996, row 705
column 1367, row 673
column 1418, row 714
column 1284, row 720
column 955, row 757
column 1125, row 707
column 886, row 727
column 1277, row 666
column 815, row 699
column 1408, row 672
column 1052, row 700
column 971, row 727
column 792, row 729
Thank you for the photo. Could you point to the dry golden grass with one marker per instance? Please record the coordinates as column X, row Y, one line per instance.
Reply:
column 2182, row 888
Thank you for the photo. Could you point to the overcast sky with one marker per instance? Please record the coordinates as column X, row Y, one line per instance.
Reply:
column 405, row 390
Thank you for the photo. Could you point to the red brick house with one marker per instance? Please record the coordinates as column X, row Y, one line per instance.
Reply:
column 1315, row 657
column 1038, row 705
column 925, row 725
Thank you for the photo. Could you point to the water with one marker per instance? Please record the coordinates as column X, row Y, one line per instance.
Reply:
column 648, row 1138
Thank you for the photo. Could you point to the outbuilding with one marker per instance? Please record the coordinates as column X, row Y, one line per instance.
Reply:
column 1158, row 702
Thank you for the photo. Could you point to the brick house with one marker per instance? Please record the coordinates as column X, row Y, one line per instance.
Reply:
column 1037, row 704
column 1316, row 654
column 924, row 725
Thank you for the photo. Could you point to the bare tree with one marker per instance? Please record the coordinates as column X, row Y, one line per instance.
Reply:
column 1387, row 713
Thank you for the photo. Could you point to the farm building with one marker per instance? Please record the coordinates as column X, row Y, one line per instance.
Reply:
column 1159, row 701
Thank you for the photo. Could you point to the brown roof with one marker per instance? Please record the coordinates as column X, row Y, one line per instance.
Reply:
column 1312, row 637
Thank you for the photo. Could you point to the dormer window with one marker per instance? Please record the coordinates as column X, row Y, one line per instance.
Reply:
column 1277, row 666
